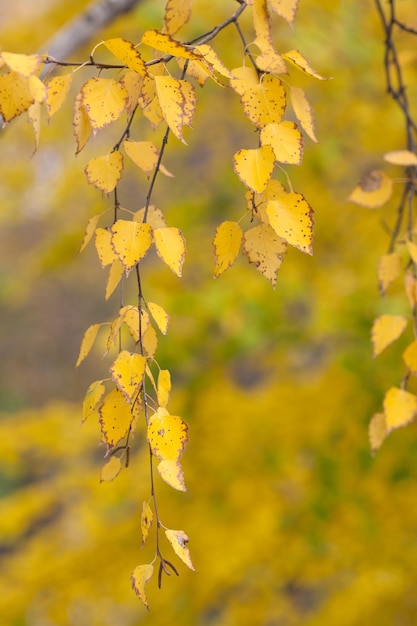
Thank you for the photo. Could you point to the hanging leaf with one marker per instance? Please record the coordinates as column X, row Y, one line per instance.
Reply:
column 171, row 472
column 115, row 417
column 132, row 83
column 57, row 90
column 377, row 431
column 23, row 64
column 93, row 396
column 131, row 241
column 15, row 95
column 150, row 341
column 254, row 167
column 146, row 520
column 287, row 9
column 178, row 539
column 227, row 241
column 104, row 172
column 170, row 246
column 154, row 218
column 177, row 100
column 385, row 330
column 87, row 342
column 265, row 249
column 389, row 268
column 104, row 101
column 126, row 52
column 400, row 407
column 269, row 60
column 374, row 190
column 401, row 157
column 177, row 13
column 34, row 117
column 81, row 124
column 265, row 103
column 291, row 217
column 244, row 78
column 37, row 88
column 165, row 43
column 411, row 289
column 300, row 62
column 160, row 316
column 140, row 577
column 145, row 155
column 115, row 275
column 129, row 315
column 286, row 141
column 103, row 246
column 167, row 435
column 410, row 357
column 127, row 372
column 164, row 388
column 210, row 60
column 303, row 111
column 412, row 249
column 111, row 469
column 90, row 230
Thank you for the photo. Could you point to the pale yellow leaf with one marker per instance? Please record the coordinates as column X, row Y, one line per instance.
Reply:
column 104, row 172
column 93, row 396
column 90, row 230
column 265, row 249
column 411, row 289
column 34, row 117
column 303, row 111
column 150, row 341
column 15, row 95
column 104, row 248
column 154, row 217
column 146, row 520
column 132, row 82
column 164, row 387
column 115, row 275
column 374, row 190
column 167, row 436
column 227, row 241
column 269, row 60
column 286, row 141
column 410, row 357
column 145, row 155
column 377, row 431
column 126, row 52
column 244, row 78
column 129, row 315
column 57, row 90
column 171, row 472
column 385, row 330
column 127, row 372
column 170, row 246
column 286, row 9
column 400, row 407
column 177, row 100
column 389, row 268
column 210, row 59
column 178, row 539
column 87, row 342
column 24, row 64
column 81, row 124
column 254, row 167
column 165, row 43
column 401, row 157
column 177, row 13
column 115, row 417
column 160, row 316
column 104, row 100
column 265, row 103
column 140, row 577
column 111, row 469
column 291, row 217
column 131, row 241
column 412, row 249
column 299, row 61
column 37, row 88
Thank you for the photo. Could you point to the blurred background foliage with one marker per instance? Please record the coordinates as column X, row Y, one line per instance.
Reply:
column 290, row 518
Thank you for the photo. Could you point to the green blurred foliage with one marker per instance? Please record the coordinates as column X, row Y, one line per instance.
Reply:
column 291, row 521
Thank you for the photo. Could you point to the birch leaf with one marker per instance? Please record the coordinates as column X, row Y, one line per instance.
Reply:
column 170, row 246
column 90, row 230
column 377, row 431
column 15, row 96
column 389, row 268
column 410, row 357
column 303, row 111
column 286, row 141
column 287, row 9
column 265, row 103
column 269, row 60
column 131, row 241
column 111, row 469
column 146, row 520
column 171, row 472
column 243, row 78
column 265, row 249
column 145, row 155
column 385, row 330
column 164, row 388
column 160, row 316
column 104, row 248
column 300, row 62
column 400, row 407
column 126, row 52
column 23, row 64
column 227, row 241
column 57, row 91
column 140, row 577
column 104, row 172
column 177, row 100
column 411, row 289
column 127, row 372
column 166, row 44
column 81, row 124
column 115, row 417
column 150, row 341
column 92, row 397
column 178, row 539
column 115, row 275
column 209, row 58
column 177, row 13
column 374, row 190
column 154, row 218
column 401, row 157
column 87, row 342
column 412, row 249
column 255, row 167
column 291, row 217
column 104, row 101
column 167, row 436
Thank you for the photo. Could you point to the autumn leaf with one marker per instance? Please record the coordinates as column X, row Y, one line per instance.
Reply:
column 81, row 124
column 374, row 190
column 104, row 248
column 126, row 52
column 254, row 167
column 146, row 520
column 385, row 330
column 410, row 357
column 389, row 268
column 165, row 43
column 15, row 95
column 287, row 9
column 300, row 62
column 177, row 13
column 164, row 387
column 210, row 60
column 93, row 396
column 104, row 172
column 87, row 342
column 145, row 155
column 265, row 249
column 171, row 472
column 411, row 289
column 127, row 372
column 90, row 230
column 150, row 341
column 115, row 417
column 177, row 100
column 265, row 102
column 131, row 241
column 243, row 78
column 377, row 431
column 170, row 246
column 269, row 60
column 154, row 217
column 303, row 111
column 291, row 217
column 140, row 577
column 160, row 316
column 111, row 469
column 104, row 101
column 57, row 91
column 412, row 249
column 178, row 539
column 24, row 64
column 400, row 407
column 115, row 275
column 227, row 241
column 286, row 141
column 167, row 435
column 401, row 157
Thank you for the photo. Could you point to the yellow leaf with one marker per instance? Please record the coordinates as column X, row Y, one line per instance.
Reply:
column 411, row 289
column 154, row 217
column 412, row 249
column 286, row 9
column 115, row 276
column 170, row 246
column 389, row 268
column 126, row 52
column 177, row 13
column 210, row 59
column 300, row 62
column 160, row 316
column 401, row 157
column 131, row 241
column 103, row 246
column 145, row 155
column 263, row 247
column 93, row 396
column 115, row 417
column 226, row 243
column 374, row 190
column 171, row 472
column 377, row 431
column 146, row 520
column 400, row 407
column 177, row 100
column 129, row 315
column 90, row 230
column 104, row 101
column 104, row 172
column 167, row 435
column 291, row 217
column 164, row 387
column 385, row 330
column 132, row 83
column 254, row 167
column 265, row 103
column 127, row 372
column 15, row 95
column 34, row 116
column 410, row 357
column 165, row 43
column 150, row 341
column 81, row 124
column 87, row 342
column 37, row 88
column 140, row 576
column 178, row 539
column 303, row 111
column 269, row 60
column 111, row 469
column 57, row 90
column 24, row 64
column 285, row 140
column 244, row 78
